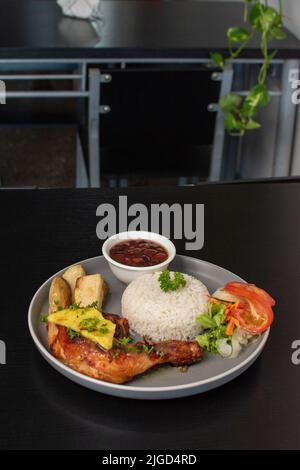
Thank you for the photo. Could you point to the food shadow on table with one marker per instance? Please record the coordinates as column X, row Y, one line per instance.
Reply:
column 160, row 421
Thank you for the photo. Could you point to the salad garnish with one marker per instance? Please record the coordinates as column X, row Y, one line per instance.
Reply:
column 236, row 314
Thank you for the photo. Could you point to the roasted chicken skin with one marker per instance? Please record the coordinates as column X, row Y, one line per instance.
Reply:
column 121, row 363
column 122, row 325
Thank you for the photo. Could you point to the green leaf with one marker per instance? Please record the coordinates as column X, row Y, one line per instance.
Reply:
column 218, row 59
column 206, row 321
column 230, row 122
column 266, row 20
column 238, row 131
column 270, row 18
column 219, row 317
column 251, row 125
column 263, row 18
column 248, row 111
column 214, row 317
column 203, row 341
column 208, row 341
column 237, row 35
column 258, row 96
column 230, row 103
column 255, row 16
column 217, row 309
column 277, row 33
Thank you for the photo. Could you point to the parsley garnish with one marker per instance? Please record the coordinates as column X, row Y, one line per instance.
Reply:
column 124, row 341
column 73, row 334
column 147, row 349
column 44, row 318
column 74, row 306
column 89, row 324
column 139, row 347
column 77, row 306
column 167, row 284
column 103, row 329
column 93, row 305
column 58, row 307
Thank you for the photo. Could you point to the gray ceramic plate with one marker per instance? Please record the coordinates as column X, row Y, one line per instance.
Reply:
column 164, row 382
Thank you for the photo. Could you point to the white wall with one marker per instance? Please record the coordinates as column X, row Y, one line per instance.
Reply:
column 291, row 13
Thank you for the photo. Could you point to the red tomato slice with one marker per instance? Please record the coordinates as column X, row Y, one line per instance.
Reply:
column 255, row 313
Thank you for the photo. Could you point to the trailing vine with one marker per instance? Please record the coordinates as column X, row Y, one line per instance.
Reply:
column 266, row 21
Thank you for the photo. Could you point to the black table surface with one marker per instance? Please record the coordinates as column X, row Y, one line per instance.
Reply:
column 131, row 29
column 251, row 229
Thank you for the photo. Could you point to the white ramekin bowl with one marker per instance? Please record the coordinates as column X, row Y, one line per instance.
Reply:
column 127, row 274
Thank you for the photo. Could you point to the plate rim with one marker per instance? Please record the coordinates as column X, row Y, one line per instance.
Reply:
column 131, row 388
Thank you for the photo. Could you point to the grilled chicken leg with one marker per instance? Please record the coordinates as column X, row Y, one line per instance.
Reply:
column 121, row 363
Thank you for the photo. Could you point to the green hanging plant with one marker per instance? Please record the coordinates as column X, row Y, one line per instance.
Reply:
column 266, row 21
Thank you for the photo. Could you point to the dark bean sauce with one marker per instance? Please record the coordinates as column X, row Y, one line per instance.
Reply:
column 138, row 253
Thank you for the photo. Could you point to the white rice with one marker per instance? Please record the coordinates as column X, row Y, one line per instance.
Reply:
column 164, row 315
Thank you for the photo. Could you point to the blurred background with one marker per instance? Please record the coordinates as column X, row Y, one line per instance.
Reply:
column 129, row 96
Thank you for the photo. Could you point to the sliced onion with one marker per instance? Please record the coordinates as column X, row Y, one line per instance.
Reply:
column 221, row 294
column 236, row 347
column 224, row 347
column 240, row 338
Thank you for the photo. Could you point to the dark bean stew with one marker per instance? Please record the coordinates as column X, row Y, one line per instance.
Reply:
column 138, row 253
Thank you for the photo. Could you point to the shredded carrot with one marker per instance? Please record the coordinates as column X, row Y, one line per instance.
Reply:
column 230, row 327
column 229, row 310
column 232, row 321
